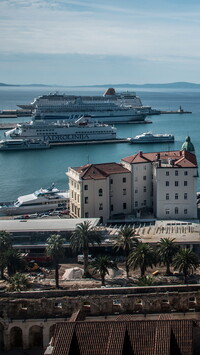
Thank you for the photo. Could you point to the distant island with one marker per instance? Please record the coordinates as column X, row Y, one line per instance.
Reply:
column 176, row 85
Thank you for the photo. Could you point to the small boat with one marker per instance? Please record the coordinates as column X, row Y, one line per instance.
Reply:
column 40, row 201
column 152, row 138
column 22, row 144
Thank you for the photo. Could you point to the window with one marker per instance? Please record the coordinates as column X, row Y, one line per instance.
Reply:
column 185, row 183
column 185, row 211
column 136, row 179
column 86, row 214
column 145, row 168
column 176, row 172
column 167, row 211
column 85, row 187
column 111, row 181
column 100, row 206
column 136, row 203
column 167, row 173
column 176, row 196
column 176, row 210
column 72, row 194
column 144, row 177
column 176, row 183
column 145, row 189
column 166, row 183
column 136, row 191
column 111, row 208
column 124, row 191
column 124, row 206
column 86, row 199
column 145, row 202
column 185, row 196
column 124, row 179
column 185, row 172
column 167, row 196
column 100, row 192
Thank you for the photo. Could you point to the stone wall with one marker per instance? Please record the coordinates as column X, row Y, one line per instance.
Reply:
column 29, row 316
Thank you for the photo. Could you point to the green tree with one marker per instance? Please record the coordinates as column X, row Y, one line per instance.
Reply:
column 18, row 282
column 145, row 281
column 14, row 261
column 126, row 240
column 81, row 238
column 5, row 245
column 142, row 256
column 55, row 250
column 186, row 261
column 166, row 251
column 101, row 265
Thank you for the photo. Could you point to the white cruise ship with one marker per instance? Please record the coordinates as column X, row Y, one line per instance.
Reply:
column 42, row 200
column 80, row 131
column 110, row 108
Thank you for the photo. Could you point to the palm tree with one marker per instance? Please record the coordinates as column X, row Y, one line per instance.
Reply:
column 14, row 261
column 101, row 264
column 81, row 238
column 142, row 256
column 18, row 282
column 186, row 261
column 166, row 251
column 5, row 245
column 126, row 240
column 55, row 250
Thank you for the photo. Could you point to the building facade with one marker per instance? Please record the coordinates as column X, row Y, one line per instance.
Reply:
column 163, row 183
column 100, row 190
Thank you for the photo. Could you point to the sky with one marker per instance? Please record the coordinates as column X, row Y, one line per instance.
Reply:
column 88, row 42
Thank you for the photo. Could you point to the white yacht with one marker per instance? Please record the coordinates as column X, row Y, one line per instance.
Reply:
column 152, row 138
column 23, row 144
column 42, row 200
column 80, row 131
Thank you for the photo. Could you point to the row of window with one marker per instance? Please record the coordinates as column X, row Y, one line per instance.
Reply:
column 176, row 173
column 176, row 196
column 176, row 183
column 75, row 196
column 176, row 210
column 144, row 203
column 144, row 189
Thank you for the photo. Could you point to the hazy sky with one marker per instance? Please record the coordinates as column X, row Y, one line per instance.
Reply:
column 99, row 42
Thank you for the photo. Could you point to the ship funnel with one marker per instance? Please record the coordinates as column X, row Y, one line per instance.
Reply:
column 109, row 91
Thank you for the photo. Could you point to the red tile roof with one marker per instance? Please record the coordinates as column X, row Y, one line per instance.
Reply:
column 181, row 158
column 158, row 337
column 100, row 171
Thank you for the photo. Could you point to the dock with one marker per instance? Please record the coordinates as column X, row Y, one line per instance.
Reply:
column 108, row 141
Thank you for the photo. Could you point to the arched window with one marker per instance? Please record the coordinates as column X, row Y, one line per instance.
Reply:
column 100, row 192
column 36, row 337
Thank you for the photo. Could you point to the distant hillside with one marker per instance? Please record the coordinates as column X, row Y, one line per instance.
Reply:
column 176, row 85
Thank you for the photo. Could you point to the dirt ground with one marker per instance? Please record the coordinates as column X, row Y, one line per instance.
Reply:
column 43, row 278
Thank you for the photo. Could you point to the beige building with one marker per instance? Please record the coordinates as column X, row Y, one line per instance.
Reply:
column 99, row 190
column 164, row 182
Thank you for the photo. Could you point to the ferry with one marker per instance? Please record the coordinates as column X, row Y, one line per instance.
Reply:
column 152, row 138
column 80, row 131
column 110, row 108
column 40, row 201
column 23, row 144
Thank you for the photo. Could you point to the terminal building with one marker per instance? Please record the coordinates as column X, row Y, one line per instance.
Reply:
column 161, row 183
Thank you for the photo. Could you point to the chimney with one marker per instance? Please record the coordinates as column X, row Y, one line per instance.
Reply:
column 140, row 153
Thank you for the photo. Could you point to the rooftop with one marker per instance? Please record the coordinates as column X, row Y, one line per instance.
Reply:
column 100, row 171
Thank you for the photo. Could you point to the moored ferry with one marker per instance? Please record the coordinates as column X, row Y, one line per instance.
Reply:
column 152, row 138
column 80, row 131
column 23, row 144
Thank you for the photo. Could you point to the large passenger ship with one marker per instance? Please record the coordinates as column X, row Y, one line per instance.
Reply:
column 79, row 131
column 110, row 108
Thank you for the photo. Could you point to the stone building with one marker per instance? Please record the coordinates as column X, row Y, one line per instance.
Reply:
column 163, row 183
column 100, row 190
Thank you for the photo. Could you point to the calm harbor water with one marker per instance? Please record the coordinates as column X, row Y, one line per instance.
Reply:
column 25, row 171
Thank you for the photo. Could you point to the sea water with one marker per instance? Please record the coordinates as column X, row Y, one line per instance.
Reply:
column 22, row 172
